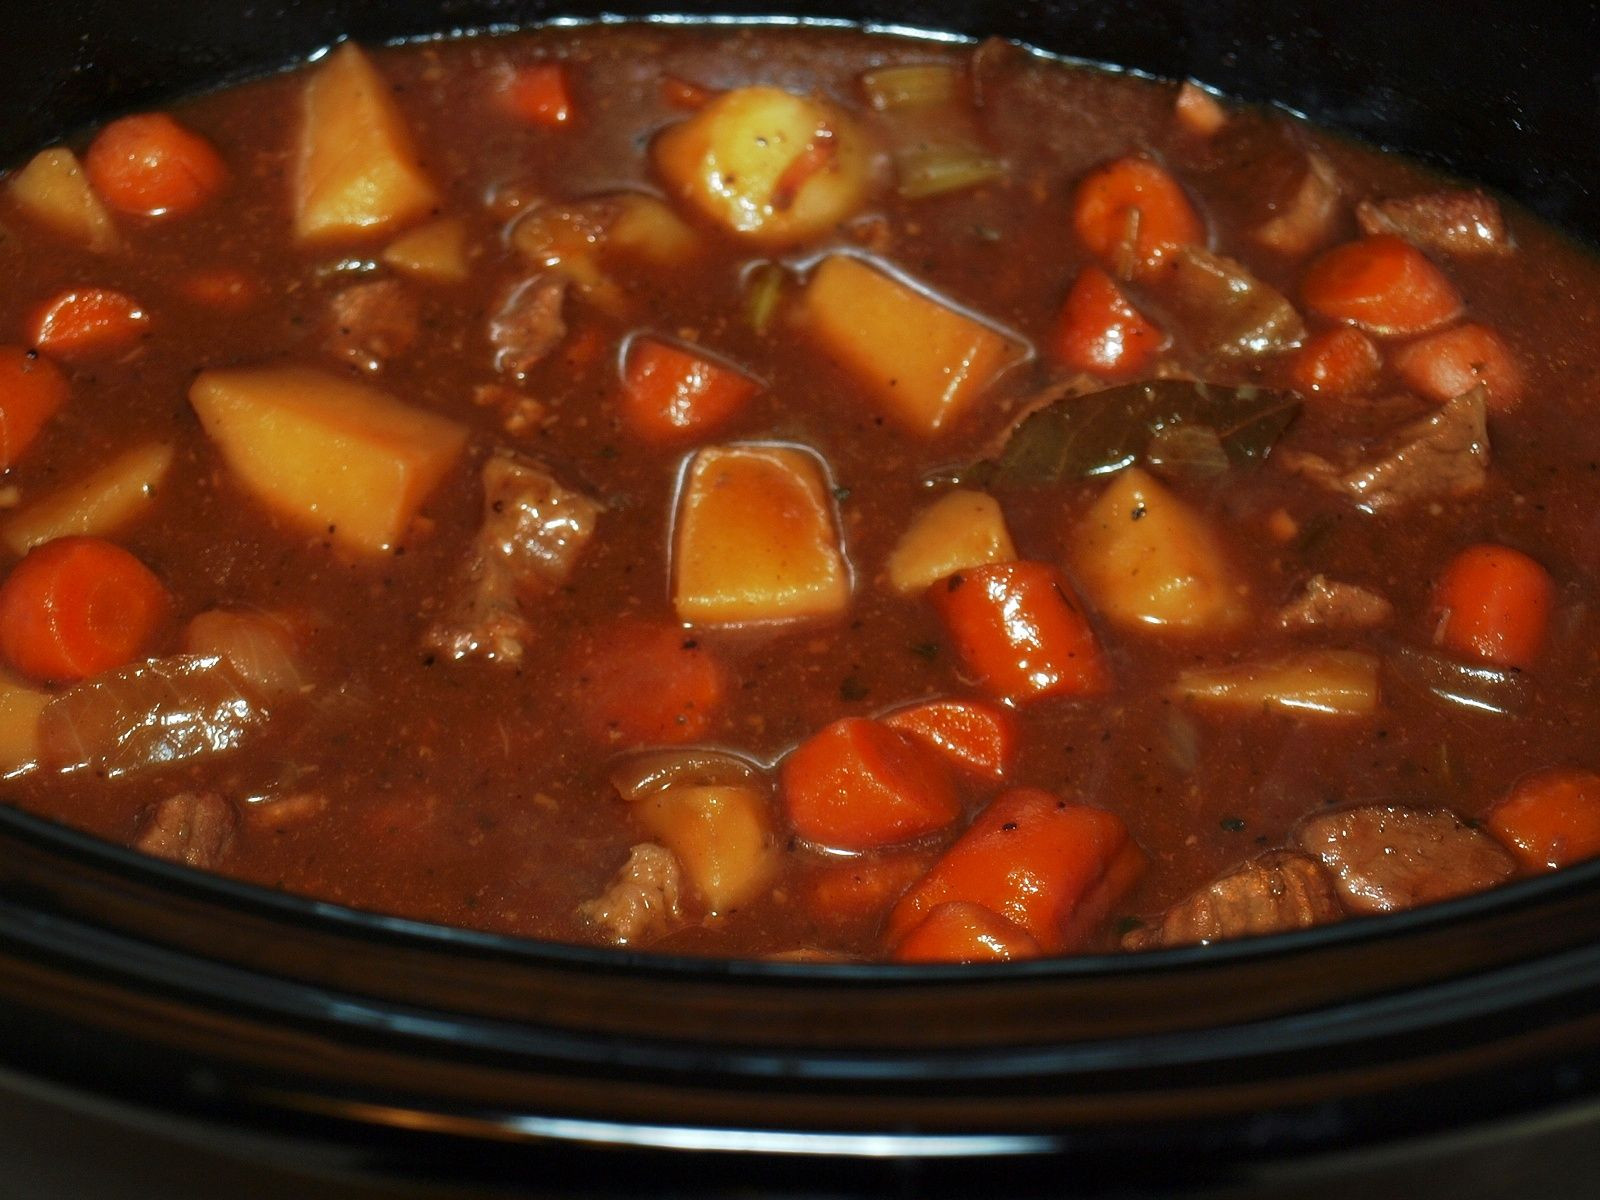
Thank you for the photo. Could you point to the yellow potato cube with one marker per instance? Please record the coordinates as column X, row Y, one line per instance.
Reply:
column 435, row 252
column 1143, row 557
column 53, row 190
column 109, row 499
column 20, row 706
column 357, row 171
column 333, row 455
column 722, row 836
column 755, row 538
column 1339, row 683
column 767, row 165
column 959, row 530
column 646, row 227
column 923, row 361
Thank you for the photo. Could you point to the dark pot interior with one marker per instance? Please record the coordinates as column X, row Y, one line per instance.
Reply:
column 1451, row 1045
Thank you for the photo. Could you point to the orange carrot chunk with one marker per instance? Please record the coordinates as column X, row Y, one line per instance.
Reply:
column 960, row 931
column 861, row 887
column 1019, row 628
column 88, row 323
column 859, row 785
column 151, row 166
column 1335, row 362
column 640, row 683
column 77, row 606
column 1100, row 332
column 538, row 93
column 1443, row 365
column 975, row 736
column 32, row 390
column 672, row 395
column 1551, row 819
column 1383, row 284
column 1051, row 867
column 1493, row 603
column 1128, row 213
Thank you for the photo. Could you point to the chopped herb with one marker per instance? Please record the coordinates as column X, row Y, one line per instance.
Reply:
column 925, row 650
column 852, row 689
column 1232, row 824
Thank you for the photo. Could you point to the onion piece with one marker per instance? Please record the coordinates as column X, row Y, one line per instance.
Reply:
column 1335, row 683
column 911, row 85
column 644, row 775
column 934, row 170
column 259, row 646
column 1502, row 691
column 150, row 714
column 1227, row 312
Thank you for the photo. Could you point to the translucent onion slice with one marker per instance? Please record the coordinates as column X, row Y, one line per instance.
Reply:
column 1478, row 686
column 646, row 774
column 911, row 85
column 1341, row 683
column 259, row 646
column 934, row 170
column 150, row 714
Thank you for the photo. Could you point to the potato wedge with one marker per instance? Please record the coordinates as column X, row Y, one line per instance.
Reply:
column 1335, row 683
column 923, row 361
column 722, row 837
column 959, row 530
column 53, row 190
column 109, row 499
column 20, row 706
column 1144, row 558
column 357, row 171
column 767, row 165
column 435, row 252
column 335, row 456
column 756, row 538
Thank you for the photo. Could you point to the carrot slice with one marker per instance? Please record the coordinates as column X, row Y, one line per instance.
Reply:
column 88, row 323
column 685, row 93
column 1443, row 365
column 77, row 606
column 1099, row 331
column 150, row 165
column 672, row 395
column 1492, row 602
column 1383, row 284
column 538, row 93
column 642, row 683
column 862, row 886
column 1019, row 628
column 1551, row 819
column 1128, row 213
column 975, row 736
column 225, row 288
column 960, row 931
column 32, row 390
column 1335, row 362
column 859, row 785
column 1051, row 867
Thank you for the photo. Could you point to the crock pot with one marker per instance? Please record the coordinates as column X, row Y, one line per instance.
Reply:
column 165, row 1032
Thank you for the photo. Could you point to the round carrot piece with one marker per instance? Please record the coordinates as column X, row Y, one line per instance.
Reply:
column 1443, row 365
column 640, row 683
column 1382, row 283
column 1493, row 603
column 1100, row 332
column 672, row 395
column 88, row 323
column 1335, row 362
column 32, row 390
column 77, row 606
column 537, row 94
column 960, row 931
column 151, row 166
column 1551, row 819
column 1128, row 212
column 859, row 785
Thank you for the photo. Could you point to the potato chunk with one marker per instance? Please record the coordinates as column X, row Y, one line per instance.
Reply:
column 924, row 361
column 767, row 165
column 721, row 835
column 53, row 190
column 1337, row 683
column 332, row 455
column 755, row 538
column 959, row 530
column 20, row 706
column 435, row 252
column 109, row 499
column 1143, row 557
column 357, row 171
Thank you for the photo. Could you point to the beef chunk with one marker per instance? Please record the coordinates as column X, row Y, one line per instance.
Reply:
column 1386, row 858
column 1328, row 603
column 1442, row 456
column 528, row 325
column 1453, row 221
column 371, row 323
column 1275, row 893
column 532, row 533
column 193, row 828
column 642, row 900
